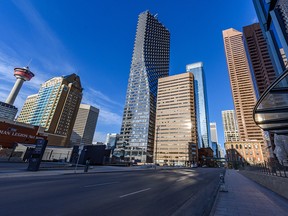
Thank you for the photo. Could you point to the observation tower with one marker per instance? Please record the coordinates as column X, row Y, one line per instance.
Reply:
column 22, row 75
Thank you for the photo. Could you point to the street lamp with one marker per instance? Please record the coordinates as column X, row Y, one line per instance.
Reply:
column 155, row 159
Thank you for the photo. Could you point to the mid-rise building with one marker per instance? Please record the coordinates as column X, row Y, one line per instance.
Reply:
column 150, row 62
column 85, row 125
column 27, row 109
column 230, row 126
column 56, row 107
column 176, row 140
column 7, row 111
column 243, row 152
column 258, row 54
column 243, row 93
column 201, row 104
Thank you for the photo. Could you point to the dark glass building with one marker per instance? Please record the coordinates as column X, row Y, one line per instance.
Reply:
column 150, row 61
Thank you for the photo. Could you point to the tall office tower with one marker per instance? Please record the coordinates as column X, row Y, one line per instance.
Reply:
column 85, row 124
column 176, row 126
column 273, row 19
column 7, row 109
column 242, row 87
column 214, row 139
column 201, row 104
column 28, row 109
column 111, row 140
column 57, row 105
column 258, row 55
column 213, row 132
column 150, row 61
column 230, row 126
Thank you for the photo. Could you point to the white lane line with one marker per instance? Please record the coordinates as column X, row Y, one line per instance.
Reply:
column 134, row 192
column 101, row 184
column 181, row 179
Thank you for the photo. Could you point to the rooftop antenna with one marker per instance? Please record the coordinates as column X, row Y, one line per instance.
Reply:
column 29, row 63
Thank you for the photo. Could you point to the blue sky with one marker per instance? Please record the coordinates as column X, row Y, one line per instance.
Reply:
column 95, row 38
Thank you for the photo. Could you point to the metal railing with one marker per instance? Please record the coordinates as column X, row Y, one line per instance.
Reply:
column 273, row 168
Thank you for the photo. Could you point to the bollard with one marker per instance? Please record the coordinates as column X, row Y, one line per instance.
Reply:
column 222, row 183
column 87, row 166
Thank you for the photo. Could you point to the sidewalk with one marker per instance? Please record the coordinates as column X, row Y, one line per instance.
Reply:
column 245, row 197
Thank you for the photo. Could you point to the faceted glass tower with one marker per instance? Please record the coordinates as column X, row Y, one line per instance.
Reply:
column 150, row 61
column 201, row 104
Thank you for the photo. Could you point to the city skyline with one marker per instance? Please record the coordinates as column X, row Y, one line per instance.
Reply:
column 63, row 56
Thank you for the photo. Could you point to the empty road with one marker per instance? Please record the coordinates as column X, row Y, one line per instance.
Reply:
column 160, row 192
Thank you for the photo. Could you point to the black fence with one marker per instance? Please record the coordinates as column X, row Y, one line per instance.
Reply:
column 273, row 168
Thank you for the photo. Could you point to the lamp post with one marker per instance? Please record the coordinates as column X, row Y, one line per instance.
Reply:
column 81, row 146
column 155, row 159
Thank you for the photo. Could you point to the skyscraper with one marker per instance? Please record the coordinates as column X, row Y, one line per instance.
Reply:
column 85, row 124
column 214, row 139
column 201, row 104
column 273, row 19
column 56, row 106
column 150, row 61
column 258, row 55
column 213, row 132
column 176, row 127
column 28, row 109
column 230, row 126
column 242, row 86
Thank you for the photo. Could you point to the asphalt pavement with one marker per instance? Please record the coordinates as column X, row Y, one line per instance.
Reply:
column 149, row 192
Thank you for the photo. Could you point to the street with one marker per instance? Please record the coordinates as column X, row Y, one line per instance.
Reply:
column 151, row 192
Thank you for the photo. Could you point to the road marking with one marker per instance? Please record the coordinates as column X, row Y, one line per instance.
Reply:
column 181, row 179
column 101, row 184
column 135, row 192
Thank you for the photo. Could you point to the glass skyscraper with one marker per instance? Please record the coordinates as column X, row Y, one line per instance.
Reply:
column 201, row 104
column 150, row 61
column 273, row 19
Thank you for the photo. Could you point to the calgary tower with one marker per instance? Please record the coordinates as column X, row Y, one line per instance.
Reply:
column 22, row 75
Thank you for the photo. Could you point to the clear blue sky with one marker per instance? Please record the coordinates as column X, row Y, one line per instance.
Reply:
column 95, row 39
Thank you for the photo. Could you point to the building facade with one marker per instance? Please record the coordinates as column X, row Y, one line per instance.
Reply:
column 243, row 93
column 273, row 19
column 230, row 126
column 243, row 152
column 56, row 107
column 27, row 109
column 7, row 111
column 85, row 125
column 176, row 126
column 262, row 68
column 150, row 62
column 201, row 104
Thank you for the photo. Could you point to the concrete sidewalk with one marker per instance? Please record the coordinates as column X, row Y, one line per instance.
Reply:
column 245, row 197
